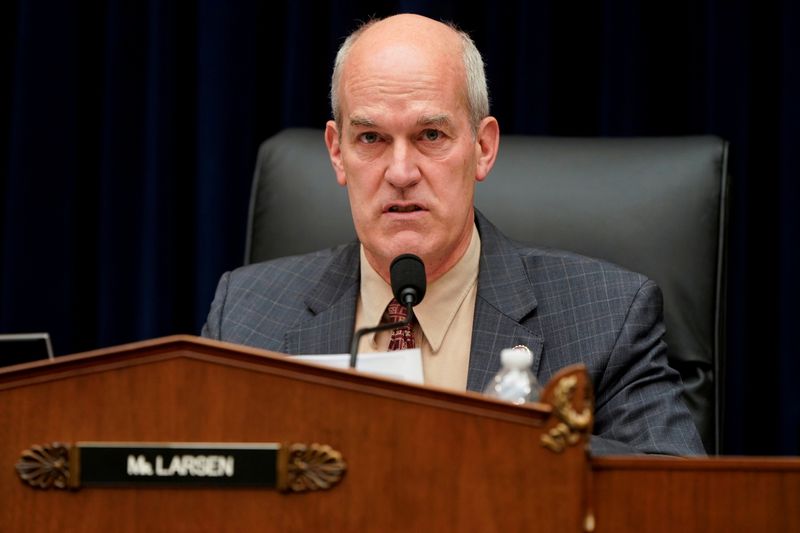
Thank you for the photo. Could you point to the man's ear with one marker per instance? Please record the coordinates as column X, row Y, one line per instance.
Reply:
column 335, row 151
column 487, row 143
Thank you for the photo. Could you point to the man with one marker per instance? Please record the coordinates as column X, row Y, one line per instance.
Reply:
column 411, row 136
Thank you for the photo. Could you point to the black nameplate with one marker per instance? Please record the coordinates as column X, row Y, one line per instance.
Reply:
column 223, row 465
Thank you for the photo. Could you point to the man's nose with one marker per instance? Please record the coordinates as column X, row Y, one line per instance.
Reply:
column 403, row 170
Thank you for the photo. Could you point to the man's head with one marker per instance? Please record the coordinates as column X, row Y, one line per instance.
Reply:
column 410, row 139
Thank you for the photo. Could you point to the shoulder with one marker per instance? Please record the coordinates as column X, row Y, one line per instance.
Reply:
column 592, row 295
column 559, row 270
column 294, row 272
column 563, row 287
column 283, row 287
column 552, row 271
column 255, row 304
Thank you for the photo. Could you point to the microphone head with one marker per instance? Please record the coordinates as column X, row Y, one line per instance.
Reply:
column 407, row 272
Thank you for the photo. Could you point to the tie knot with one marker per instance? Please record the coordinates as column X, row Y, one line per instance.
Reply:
column 395, row 312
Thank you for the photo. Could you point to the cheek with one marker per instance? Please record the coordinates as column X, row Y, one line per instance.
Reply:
column 362, row 192
column 460, row 185
column 363, row 173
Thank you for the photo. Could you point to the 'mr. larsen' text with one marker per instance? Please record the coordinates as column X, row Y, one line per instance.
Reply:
column 182, row 465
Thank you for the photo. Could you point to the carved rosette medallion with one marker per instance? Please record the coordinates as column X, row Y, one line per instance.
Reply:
column 45, row 467
column 573, row 424
column 310, row 467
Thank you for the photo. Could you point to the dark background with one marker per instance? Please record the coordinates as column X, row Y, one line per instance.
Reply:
column 129, row 130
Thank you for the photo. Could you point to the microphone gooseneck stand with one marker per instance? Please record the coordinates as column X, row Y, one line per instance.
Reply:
column 380, row 327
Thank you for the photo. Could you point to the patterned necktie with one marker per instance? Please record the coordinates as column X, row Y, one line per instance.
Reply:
column 402, row 337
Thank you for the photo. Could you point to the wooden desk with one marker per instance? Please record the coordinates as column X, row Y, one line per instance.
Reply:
column 418, row 458
column 725, row 494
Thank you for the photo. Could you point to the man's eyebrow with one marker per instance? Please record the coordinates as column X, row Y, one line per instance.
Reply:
column 364, row 122
column 441, row 119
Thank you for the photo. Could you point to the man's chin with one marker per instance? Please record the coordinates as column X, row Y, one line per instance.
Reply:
column 406, row 243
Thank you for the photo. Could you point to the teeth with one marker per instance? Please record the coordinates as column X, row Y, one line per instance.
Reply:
column 406, row 209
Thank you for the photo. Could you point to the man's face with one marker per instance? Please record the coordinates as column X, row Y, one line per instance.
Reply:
column 408, row 156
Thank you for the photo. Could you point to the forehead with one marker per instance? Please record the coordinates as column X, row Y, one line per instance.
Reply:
column 403, row 77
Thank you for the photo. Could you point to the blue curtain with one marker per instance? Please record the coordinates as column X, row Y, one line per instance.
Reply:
column 129, row 130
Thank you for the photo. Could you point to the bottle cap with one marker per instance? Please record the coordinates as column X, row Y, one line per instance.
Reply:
column 516, row 358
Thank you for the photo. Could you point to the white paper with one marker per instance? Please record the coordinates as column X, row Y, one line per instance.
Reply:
column 404, row 365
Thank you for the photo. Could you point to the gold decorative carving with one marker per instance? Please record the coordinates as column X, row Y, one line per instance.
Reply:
column 45, row 467
column 313, row 467
column 573, row 424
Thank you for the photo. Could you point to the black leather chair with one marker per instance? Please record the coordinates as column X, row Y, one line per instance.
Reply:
column 652, row 205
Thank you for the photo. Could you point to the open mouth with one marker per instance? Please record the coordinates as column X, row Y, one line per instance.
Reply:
column 404, row 208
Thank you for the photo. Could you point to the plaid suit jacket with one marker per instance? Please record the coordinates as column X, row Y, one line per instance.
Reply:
column 565, row 307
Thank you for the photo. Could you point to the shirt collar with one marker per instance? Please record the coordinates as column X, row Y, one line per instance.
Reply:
column 442, row 299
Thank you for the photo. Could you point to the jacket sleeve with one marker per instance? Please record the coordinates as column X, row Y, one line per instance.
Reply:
column 639, row 407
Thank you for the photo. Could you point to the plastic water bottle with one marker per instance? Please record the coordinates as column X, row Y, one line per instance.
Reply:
column 515, row 382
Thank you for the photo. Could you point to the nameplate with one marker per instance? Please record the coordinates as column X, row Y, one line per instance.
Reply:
column 178, row 464
column 289, row 468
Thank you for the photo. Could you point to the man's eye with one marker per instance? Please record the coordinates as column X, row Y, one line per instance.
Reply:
column 432, row 135
column 369, row 137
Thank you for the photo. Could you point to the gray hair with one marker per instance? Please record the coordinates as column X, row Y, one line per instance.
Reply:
column 477, row 91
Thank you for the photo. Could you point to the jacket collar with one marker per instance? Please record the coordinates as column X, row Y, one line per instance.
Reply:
column 331, row 305
column 505, row 303
column 503, row 279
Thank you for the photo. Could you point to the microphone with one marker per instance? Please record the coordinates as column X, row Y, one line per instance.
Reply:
column 407, row 274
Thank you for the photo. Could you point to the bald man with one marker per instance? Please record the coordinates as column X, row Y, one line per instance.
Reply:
column 411, row 136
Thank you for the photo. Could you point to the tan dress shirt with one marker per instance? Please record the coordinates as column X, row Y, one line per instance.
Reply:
column 444, row 318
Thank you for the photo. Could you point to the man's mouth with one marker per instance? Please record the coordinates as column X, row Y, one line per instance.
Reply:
column 404, row 208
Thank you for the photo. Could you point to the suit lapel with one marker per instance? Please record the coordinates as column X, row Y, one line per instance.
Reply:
column 505, row 299
column 331, row 303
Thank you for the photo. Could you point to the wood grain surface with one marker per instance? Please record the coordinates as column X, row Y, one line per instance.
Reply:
column 419, row 459
column 723, row 494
